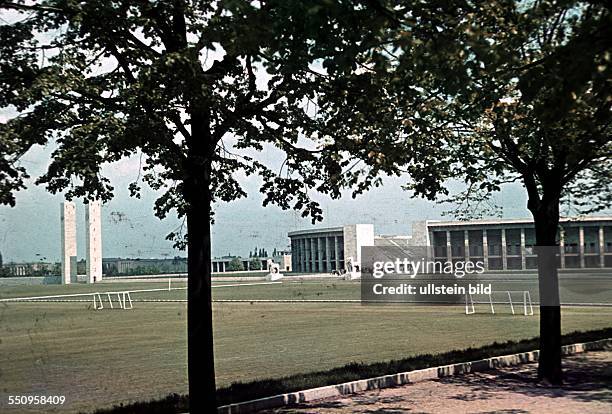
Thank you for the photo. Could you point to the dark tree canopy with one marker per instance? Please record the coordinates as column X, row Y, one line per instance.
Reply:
column 488, row 94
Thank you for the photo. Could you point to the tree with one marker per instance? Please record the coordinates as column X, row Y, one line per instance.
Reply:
column 235, row 265
column 491, row 94
column 195, row 89
column 255, row 264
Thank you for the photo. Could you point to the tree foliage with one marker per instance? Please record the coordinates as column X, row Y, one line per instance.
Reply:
column 488, row 94
column 255, row 264
column 235, row 265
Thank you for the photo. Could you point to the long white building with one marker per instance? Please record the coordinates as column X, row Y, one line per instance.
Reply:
column 501, row 244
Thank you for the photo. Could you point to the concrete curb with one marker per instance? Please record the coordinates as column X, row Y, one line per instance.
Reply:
column 403, row 378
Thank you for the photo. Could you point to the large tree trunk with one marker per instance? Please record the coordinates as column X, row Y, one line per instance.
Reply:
column 546, row 220
column 201, row 363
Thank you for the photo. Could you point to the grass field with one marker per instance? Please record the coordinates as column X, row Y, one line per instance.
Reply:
column 595, row 288
column 101, row 358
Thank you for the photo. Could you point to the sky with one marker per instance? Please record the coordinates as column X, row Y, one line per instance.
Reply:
column 31, row 230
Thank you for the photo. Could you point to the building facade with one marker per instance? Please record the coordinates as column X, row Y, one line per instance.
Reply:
column 500, row 244
column 325, row 250
column 509, row 244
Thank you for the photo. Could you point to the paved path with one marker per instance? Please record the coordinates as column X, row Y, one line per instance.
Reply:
column 587, row 390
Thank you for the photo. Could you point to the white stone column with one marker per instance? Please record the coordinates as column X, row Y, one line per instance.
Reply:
column 466, row 245
column 485, row 249
column 312, row 254
column 320, row 253
column 327, row 254
column 504, row 252
column 93, row 242
column 303, row 255
column 431, row 249
column 581, row 245
column 337, row 253
column 449, row 253
column 307, row 253
column 523, row 252
column 602, row 246
column 68, row 242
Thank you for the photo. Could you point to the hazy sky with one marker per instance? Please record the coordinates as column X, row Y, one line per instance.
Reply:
column 33, row 227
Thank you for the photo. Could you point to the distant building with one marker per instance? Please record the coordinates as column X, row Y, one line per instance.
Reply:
column 508, row 244
column 130, row 266
column 284, row 260
column 30, row 269
column 118, row 266
column 222, row 264
column 324, row 250
column 500, row 244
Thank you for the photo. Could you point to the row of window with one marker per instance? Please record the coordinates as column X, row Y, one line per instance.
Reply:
column 591, row 242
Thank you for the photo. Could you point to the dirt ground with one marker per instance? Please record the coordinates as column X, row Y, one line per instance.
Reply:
column 587, row 389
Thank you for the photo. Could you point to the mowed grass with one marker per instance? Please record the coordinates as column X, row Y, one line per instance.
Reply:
column 101, row 358
column 76, row 288
column 287, row 290
column 574, row 288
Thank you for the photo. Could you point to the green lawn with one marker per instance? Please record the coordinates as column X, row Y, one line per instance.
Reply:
column 101, row 358
column 574, row 290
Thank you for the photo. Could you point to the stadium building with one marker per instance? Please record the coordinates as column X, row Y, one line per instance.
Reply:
column 501, row 244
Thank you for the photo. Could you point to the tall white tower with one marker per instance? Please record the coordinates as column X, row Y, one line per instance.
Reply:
column 93, row 241
column 69, row 243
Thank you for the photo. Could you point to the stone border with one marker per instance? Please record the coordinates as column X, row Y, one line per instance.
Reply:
column 403, row 378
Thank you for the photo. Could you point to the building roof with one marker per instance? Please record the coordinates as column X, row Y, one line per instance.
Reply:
column 493, row 222
column 315, row 231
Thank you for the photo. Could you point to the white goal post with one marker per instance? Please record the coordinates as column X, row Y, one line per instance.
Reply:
column 526, row 296
column 124, row 300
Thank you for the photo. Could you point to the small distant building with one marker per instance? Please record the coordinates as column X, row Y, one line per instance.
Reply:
column 222, row 264
column 118, row 266
column 134, row 266
column 30, row 269
column 284, row 260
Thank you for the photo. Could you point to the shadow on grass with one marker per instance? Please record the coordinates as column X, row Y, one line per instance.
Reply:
column 239, row 392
